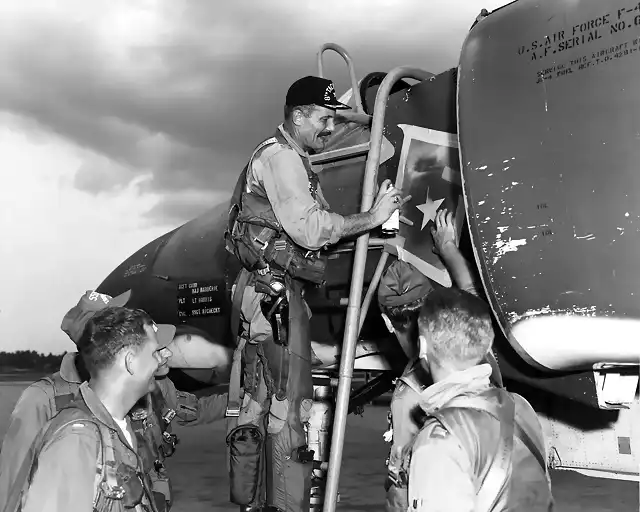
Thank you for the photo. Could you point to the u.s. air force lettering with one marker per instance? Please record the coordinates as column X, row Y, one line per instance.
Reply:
column 200, row 299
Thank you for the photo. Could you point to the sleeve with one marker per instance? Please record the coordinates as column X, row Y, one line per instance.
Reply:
column 191, row 410
column 30, row 414
column 440, row 475
column 211, row 408
column 286, row 183
column 71, row 457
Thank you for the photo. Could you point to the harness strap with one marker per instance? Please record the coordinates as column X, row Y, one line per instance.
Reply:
column 501, row 466
column 499, row 470
column 263, row 144
column 25, row 473
column 233, row 397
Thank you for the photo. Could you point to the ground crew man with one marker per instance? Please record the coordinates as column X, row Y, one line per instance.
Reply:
column 480, row 448
column 279, row 221
column 150, row 417
column 87, row 457
column 402, row 292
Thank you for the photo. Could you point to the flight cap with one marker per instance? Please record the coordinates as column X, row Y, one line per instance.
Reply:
column 402, row 284
column 91, row 303
column 313, row 90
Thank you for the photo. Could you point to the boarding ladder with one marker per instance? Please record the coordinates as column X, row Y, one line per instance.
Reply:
column 357, row 307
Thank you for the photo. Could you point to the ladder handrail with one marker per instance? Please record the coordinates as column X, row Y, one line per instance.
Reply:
column 352, row 71
column 357, row 278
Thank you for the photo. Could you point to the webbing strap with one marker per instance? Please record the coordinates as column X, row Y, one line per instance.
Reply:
column 233, row 397
column 263, row 144
column 500, row 468
column 522, row 433
column 25, row 473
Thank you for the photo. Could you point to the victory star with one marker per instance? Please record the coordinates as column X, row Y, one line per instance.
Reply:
column 429, row 210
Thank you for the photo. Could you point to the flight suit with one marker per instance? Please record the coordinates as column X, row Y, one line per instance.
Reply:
column 277, row 381
column 481, row 448
column 44, row 398
column 404, row 423
column 73, row 451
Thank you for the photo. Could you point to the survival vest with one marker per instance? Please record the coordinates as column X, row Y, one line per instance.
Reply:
column 255, row 236
column 117, row 485
column 151, row 422
column 493, row 470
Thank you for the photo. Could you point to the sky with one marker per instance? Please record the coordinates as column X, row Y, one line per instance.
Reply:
column 122, row 119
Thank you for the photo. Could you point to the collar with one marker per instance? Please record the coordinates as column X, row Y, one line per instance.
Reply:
column 466, row 382
column 68, row 370
column 292, row 143
column 96, row 406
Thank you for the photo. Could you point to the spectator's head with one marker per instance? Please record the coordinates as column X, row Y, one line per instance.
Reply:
column 89, row 304
column 402, row 292
column 119, row 342
column 455, row 330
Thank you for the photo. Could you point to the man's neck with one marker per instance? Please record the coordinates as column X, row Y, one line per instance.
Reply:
column 114, row 395
column 439, row 373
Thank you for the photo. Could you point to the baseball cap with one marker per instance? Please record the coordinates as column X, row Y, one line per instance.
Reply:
column 313, row 90
column 91, row 302
column 164, row 333
column 402, row 284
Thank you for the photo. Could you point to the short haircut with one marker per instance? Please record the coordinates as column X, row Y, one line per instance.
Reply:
column 404, row 317
column 110, row 331
column 306, row 110
column 457, row 326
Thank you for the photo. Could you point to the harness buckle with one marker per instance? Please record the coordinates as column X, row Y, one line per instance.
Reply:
column 168, row 416
column 263, row 244
column 232, row 412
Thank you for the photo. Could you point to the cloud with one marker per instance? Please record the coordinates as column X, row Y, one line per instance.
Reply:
column 187, row 205
column 180, row 92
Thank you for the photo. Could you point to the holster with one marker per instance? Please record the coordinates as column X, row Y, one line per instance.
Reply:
column 276, row 310
column 308, row 266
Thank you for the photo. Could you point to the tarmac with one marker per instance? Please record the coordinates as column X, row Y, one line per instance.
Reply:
column 199, row 474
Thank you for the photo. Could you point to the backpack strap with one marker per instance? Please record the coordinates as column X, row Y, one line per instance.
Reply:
column 63, row 393
column 25, row 474
column 500, row 466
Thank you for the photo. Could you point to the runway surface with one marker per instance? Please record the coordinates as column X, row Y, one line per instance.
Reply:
column 198, row 469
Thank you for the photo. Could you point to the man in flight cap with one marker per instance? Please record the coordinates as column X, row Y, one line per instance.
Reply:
column 42, row 400
column 279, row 221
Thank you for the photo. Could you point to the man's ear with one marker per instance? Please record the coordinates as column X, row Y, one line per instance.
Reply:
column 388, row 323
column 296, row 117
column 129, row 362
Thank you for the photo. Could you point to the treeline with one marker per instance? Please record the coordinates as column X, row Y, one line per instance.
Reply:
column 29, row 360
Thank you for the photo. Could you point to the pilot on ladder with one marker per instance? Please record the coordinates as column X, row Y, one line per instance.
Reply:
column 150, row 418
column 480, row 447
column 278, row 223
column 402, row 292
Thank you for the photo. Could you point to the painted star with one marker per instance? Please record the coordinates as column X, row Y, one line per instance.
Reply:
column 429, row 209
